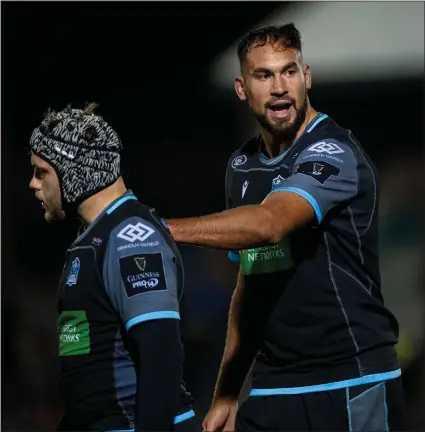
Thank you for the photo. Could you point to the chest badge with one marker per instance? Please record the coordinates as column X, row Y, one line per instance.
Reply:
column 73, row 272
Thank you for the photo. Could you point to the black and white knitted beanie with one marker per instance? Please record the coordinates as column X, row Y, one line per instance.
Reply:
column 82, row 148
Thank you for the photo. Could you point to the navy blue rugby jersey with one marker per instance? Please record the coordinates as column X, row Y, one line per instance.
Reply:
column 123, row 270
column 314, row 300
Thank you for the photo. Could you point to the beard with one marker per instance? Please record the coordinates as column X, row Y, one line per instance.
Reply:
column 53, row 211
column 55, row 216
column 286, row 130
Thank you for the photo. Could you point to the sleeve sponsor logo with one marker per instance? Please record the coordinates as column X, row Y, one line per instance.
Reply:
column 141, row 263
column 324, row 147
column 139, row 232
column 320, row 171
column 137, row 245
column 142, row 273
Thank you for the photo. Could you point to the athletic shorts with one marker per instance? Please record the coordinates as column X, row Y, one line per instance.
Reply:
column 186, row 422
column 375, row 407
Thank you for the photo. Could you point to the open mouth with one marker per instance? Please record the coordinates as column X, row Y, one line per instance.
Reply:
column 278, row 106
column 281, row 108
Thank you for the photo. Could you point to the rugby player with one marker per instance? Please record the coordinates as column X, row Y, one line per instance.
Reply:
column 302, row 221
column 119, row 318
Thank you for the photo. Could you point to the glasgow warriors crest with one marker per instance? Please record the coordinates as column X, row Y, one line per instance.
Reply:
column 73, row 272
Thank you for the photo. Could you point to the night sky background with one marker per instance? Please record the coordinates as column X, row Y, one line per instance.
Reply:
column 147, row 65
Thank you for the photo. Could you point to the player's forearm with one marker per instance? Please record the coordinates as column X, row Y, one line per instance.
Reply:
column 235, row 365
column 240, row 348
column 238, row 228
column 159, row 374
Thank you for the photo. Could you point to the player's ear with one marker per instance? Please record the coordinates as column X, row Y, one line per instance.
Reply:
column 240, row 87
column 307, row 76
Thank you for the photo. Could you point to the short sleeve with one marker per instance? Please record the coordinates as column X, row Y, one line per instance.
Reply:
column 325, row 174
column 140, row 273
column 233, row 162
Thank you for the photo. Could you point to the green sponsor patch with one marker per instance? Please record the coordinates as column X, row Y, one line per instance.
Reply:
column 74, row 333
column 268, row 259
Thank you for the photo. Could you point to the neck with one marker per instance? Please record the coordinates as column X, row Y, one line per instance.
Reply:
column 276, row 145
column 91, row 208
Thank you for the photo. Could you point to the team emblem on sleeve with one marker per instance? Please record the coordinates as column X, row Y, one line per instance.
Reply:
column 324, row 147
column 238, row 161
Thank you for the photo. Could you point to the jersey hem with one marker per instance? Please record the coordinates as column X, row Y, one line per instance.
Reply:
column 366, row 379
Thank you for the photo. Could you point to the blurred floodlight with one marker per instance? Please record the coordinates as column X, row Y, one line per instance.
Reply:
column 347, row 41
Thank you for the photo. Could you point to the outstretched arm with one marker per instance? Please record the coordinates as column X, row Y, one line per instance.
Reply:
column 253, row 225
column 319, row 181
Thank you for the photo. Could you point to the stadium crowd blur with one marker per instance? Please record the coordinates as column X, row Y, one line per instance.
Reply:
column 181, row 173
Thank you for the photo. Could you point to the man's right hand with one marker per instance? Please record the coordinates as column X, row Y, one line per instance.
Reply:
column 221, row 416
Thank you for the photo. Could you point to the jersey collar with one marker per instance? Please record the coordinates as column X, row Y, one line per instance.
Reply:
column 273, row 161
column 82, row 232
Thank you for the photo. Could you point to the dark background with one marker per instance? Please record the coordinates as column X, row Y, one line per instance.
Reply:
column 148, row 64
